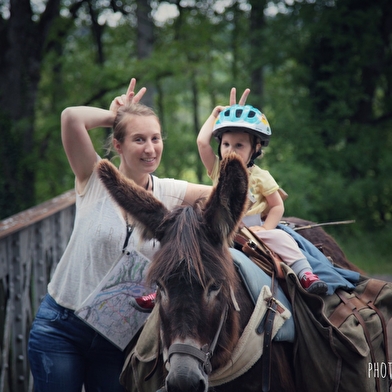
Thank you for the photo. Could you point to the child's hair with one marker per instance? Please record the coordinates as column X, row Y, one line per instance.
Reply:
column 120, row 123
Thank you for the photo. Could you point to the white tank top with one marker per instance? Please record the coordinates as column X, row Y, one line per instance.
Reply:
column 97, row 239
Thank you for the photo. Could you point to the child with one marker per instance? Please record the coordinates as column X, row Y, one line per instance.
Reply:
column 244, row 130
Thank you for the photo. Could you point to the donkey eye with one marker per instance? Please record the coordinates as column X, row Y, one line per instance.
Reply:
column 160, row 286
column 214, row 287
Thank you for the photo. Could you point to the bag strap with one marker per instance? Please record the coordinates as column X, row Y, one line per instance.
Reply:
column 267, row 342
column 255, row 248
column 351, row 303
column 345, row 309
column 360, row 301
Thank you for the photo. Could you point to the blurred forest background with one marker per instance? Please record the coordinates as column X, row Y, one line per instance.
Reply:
column 321, row 71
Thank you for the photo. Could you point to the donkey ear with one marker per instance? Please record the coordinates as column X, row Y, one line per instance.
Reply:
column 147, row 211
column 228, row 201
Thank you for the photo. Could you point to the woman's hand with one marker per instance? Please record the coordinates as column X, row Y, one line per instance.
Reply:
column 127, row 98
column 233, row 96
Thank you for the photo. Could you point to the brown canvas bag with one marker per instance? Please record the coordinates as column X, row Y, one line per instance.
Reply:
column 342, row 339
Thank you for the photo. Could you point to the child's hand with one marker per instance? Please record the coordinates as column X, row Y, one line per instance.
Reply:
column 217, row 110
column 233, row 96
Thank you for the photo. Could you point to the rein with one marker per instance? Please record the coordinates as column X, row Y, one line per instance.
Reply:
column 203, row 354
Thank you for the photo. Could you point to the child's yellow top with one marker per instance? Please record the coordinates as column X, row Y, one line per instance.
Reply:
column 261, row 184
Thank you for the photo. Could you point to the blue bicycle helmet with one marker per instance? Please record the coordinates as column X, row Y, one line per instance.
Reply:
column 244, row 119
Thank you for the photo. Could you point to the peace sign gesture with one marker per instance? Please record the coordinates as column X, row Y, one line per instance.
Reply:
column 127, row 98
column 233, row 96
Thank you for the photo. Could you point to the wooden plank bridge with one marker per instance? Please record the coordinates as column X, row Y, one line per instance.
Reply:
column 31, row 244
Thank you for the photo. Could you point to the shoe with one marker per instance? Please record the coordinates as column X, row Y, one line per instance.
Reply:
column 312, row 284
column 144, row 304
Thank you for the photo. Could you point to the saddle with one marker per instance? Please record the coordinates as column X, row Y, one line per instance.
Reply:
column 350, row 329
column 265, row 258
column 254, row 279
column 270, row 263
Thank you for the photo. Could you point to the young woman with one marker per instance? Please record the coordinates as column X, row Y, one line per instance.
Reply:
column 64, row 352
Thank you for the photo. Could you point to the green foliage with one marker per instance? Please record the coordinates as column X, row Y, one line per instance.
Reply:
column 370, row 251
column 325, row 88
column 332, row 90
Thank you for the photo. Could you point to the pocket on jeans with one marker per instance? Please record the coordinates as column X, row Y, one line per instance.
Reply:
column 47, row 313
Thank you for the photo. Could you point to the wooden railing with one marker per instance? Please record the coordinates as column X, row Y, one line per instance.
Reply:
column 31, row 244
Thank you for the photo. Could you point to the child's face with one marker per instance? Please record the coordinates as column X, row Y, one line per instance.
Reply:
column 239, row 142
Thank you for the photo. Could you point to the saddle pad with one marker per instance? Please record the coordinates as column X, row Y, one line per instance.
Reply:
column 249, row 348
column 254, row 279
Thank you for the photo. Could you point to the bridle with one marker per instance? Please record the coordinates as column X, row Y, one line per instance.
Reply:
column 203, row 354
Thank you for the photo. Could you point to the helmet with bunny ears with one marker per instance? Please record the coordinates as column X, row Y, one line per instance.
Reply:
column 238, row 118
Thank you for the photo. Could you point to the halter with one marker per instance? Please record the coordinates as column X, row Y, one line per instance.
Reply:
column 203, row 354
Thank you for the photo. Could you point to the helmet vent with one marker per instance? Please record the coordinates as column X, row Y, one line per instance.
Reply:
column 242, row 118
column 251, row 114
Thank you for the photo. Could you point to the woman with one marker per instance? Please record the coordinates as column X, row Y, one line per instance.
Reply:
column 64, row 352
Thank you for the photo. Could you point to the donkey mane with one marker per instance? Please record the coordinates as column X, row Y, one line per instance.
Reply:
column 187, row 248
column 187, row 254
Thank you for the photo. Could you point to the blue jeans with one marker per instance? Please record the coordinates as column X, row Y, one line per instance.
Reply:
column 65, row 353
column 335, row 277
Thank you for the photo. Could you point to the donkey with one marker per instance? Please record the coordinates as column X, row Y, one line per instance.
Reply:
column 203, row 305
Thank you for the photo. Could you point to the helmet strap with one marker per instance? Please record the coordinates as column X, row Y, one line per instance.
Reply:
column 252, row 158
column 219, row 149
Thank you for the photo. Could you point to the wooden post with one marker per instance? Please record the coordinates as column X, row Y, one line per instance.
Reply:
column 31, row 244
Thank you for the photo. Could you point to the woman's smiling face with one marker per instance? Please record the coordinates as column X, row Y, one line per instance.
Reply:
column 142, row 147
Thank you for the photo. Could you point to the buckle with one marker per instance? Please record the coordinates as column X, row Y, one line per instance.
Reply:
column 272, row 304
column 252, row 244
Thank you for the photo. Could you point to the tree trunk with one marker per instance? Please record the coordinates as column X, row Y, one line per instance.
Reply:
column 20, row 63
column 257, row 24
column 145, row 41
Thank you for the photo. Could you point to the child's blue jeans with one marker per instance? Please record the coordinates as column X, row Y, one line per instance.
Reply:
column 65, row 353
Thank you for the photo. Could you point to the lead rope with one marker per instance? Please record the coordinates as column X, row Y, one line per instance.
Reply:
column 129, row 227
